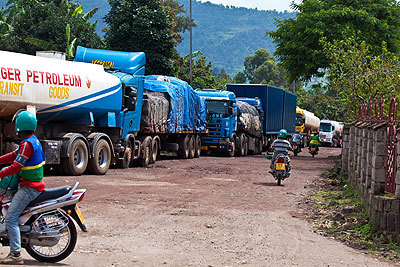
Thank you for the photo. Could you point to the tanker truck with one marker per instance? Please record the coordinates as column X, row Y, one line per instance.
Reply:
column 330, row 133
column 234, row 127
column 90, row 111
column 306, row 123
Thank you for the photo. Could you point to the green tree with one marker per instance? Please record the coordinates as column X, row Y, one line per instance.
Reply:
column 202, row 71
column 298, row 40
column 180, row 22
column 321, row 102
column 356, row 74
column 261, row 68
column 47, row 21
column 145, row 26
column 222, row 79
column 239, row 78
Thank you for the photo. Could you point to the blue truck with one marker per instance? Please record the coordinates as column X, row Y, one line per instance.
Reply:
column 277, row 107
column 107, row 112
column 234, row 127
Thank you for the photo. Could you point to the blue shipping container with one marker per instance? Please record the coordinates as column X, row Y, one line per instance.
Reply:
column 279, row 106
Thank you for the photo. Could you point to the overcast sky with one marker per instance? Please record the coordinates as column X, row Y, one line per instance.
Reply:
column 279, row 5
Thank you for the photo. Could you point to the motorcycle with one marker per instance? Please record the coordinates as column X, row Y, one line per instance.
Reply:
column 281, row 168
column 296, row 148
column 313, row 149
column 48, row 233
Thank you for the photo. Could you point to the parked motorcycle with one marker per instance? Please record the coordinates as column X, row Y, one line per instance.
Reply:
column 47, row 231
column 313, row 149
column 281, row 168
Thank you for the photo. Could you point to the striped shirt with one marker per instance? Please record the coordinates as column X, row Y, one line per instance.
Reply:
column 281, row 146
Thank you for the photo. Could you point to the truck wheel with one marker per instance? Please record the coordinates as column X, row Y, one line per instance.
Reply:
column 242, row 145
column 101, row 160
column 154, row 150
column 232, row 152
column 183, row 151
column 77, row 161
column 144, row 159
column 246, row 147
column 192, row 146
column 197, row 150
column 126, row 161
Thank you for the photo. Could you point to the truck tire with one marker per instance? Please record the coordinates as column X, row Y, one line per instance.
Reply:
column 232, row 152
column 192, row 146
column 77, row 161
column 246, row 146
column 126, row 161
column 101, row 160
column 242, row 145
column 144, row 158
column 197, row 141
column 154, row 149
column 183, row 151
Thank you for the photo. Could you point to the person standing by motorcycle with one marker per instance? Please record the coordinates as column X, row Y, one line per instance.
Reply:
column 28, row 162
column 280, row 146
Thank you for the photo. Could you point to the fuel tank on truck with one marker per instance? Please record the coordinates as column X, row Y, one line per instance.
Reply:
column 62, row 91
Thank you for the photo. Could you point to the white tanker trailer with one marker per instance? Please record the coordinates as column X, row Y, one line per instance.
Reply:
column 88, row 118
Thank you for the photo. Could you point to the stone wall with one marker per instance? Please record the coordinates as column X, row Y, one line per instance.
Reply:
column 364, row 154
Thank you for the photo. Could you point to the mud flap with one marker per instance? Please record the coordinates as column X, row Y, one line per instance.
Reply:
column 73, row 211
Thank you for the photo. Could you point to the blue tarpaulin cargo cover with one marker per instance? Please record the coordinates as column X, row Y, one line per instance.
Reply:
column 188, row 112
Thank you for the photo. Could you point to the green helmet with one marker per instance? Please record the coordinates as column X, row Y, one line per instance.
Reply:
column 25, row 121
column 282, row 134
column 297, row 131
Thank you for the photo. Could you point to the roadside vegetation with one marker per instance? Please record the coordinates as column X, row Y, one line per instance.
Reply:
column 334, row 209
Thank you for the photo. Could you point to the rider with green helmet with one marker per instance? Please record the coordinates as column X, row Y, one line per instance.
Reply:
column 28, row 162
column 280, row 146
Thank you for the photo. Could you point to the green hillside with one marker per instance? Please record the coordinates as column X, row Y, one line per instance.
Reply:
column 226, row 35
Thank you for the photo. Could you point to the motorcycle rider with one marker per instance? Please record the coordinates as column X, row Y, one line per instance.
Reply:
column 314, row 141
column 28, row 162
column 296, row 138
column 280, row 146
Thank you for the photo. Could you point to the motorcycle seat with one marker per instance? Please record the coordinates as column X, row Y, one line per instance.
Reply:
column 51, row 193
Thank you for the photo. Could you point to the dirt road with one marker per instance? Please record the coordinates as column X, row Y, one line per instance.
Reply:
column 211, row 211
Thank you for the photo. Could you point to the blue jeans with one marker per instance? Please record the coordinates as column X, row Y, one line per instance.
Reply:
column 18, row 204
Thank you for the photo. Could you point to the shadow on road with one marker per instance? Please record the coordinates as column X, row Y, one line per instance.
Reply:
column 267, row 184
column 36, row 263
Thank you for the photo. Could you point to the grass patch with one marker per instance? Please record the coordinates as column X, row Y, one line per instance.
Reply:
column 334, row 209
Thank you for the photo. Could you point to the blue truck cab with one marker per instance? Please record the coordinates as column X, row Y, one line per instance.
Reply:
column 129, row 68
column 222, row 120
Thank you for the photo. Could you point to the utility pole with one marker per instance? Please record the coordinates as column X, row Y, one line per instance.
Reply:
column 191, row 47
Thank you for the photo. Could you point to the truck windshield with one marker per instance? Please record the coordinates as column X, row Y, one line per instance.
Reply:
column 299, row 119
column 218, row 109
column 325, row 127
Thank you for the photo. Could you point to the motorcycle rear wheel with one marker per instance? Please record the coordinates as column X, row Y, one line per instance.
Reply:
column 279, row 178
column 49, row 254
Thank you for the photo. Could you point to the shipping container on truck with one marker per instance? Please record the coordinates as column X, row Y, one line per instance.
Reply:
column 279, row 108
column 89, row 115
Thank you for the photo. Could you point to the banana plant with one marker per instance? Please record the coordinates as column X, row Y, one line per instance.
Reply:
column 70, row 48
column 70, row 45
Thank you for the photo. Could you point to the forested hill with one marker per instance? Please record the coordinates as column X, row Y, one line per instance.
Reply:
column 226, row 35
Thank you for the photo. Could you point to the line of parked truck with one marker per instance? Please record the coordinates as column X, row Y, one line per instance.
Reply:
column 102, row 110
